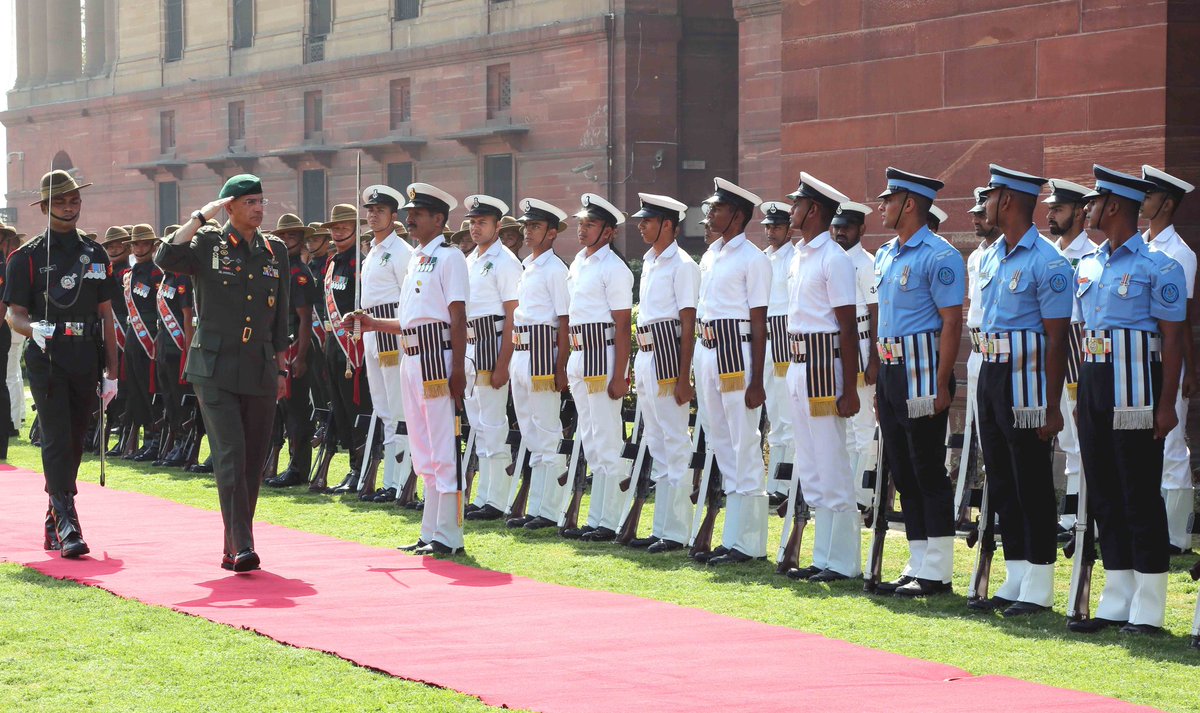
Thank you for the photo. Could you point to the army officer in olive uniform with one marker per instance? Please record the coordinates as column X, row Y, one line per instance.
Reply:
column 237, row 357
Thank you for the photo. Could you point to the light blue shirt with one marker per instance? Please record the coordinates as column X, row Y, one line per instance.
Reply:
column 1131, row 287
column 913, row 281
column 1023, row 286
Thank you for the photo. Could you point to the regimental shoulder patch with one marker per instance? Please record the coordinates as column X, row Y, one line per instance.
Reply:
column 1058, row 282
column 945, row 276
column 1170, row 293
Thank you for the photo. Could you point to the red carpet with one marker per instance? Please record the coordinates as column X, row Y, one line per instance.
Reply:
column 419, row 619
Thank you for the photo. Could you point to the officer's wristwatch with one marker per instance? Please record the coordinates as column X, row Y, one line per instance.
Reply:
column 200, row 217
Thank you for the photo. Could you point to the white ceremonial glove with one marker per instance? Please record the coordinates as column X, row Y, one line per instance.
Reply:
column 41, row 331
column 108, row 391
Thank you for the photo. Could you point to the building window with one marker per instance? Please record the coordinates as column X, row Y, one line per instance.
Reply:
column 168, row 204
column 408, row 9
column 498, row 177
column 320, row 17
column 172, row 30
column 237, row 124
column 243, row 24
column 400, row 104
column 499, row 91
column 166, row 132
column 400, row 175
column 314, row 120
column 312, row 195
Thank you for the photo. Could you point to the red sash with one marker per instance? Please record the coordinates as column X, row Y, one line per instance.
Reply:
column 168, row 317
column 352, row 349
column 135, row 318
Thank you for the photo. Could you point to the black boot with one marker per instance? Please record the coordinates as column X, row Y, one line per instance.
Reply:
column 349, row 484
column 176, row 458
column 51, row 540
column 66, row 526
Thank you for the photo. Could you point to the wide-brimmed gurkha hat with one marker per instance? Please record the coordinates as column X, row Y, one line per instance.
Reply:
column 1018, row 181
column 851, row 213
column 425, row 195
column 539, row 210
column 1066, row 192
column 507, row 222
column 900, row 181
column 729, row 192
column 980, row 200
column 463, row 231
column 343, row 213
column 115, row 234
column 656, row 206
column 382, row 195
column 7, row 231
column 400, row 229
column 938, row 214
column 776, row 213
column 243, row 184
column 594, row 206
column 142, row 233
column 56, row 183
column 1122, row 185
column 818, row 190
column 289, row 222
column 481, row 205
column 1164, row 181
column 318, row 229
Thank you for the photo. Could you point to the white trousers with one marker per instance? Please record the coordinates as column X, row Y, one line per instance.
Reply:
column 665, row 422
column 1177, row 490
column 431, row 438
column 1068, row 443
column 824, row 470
column 386, row 386
column 487, row 411
column 539, row 418
column 730, row 429
column 601, row 431
column 779, row 412
column 16, row 386
column 860, row 441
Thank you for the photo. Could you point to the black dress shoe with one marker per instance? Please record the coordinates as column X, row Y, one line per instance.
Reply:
column 415, row 505
column 1176, row 551
column 1144, row 629
column 349, row 484
column 1064, row 535
column 733, row 556
column 600, row 534
column 827, row 575
column 414, row 546
column 246, row 560
column 487, row 512
column 437, row 548
column 227, row 562
column 470, row 508
column 1195, row 643
column 146, row 455
column 114, row 452
column 384, row 495
column 1023, row 609
column 517, row 521
column 73, row 547
column 704, row 557
column 892, row 586
column 664, row 546
column 774, row 500
column 571, row 533
column 1091, row 626
column 205, row 467
column 286, row 479
column 642, row 543
column 923, row 588
column 803, row 573
column 990, row 604
column 538, row 523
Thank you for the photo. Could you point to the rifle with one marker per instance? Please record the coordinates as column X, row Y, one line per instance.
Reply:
column 326, row 443
column 879, row 480
column 369, row 470
column 986, row 529
column 193, row 428
column 1082, row 551
column 518, row 489
column 627, row 532
column 793, row 528
column 707, row 498
column 575, row 480
column 271, row 465
column 966, row 444
column 471, row 469
column 460, row 417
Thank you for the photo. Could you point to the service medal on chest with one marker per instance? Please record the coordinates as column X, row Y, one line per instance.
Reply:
column 68, row 281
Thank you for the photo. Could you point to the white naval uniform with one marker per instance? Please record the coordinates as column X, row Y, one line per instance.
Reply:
column 494, row 275
column 670, row 283
column 15, row 380
column 1177, row 490
column 425, row 297
column 735, row 277
column 382, row 275
column 822, row 277
column 600, row 284
column 779, row 411
column 542, row 298
column 860, row 433
column 1068, row 437
column 975, row 321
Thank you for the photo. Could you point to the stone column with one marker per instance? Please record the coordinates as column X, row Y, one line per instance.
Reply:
column 22, row 27
column 35, row 14
column 110, row 35
column 64, row 55
column 94, row 30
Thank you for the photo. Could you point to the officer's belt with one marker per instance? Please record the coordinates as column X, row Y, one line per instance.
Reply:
column 83, row 330
column 591, row 341
column 480, row 324
column 410, row 341
column 387, row 345
column 708, row 331
column 429, row 342
column 522, row 337
column 798, row 345
column 1098, row 344
column 578, row 334
column 726, row 337
column 996, row 347
column 864, row 329
column 1131, row 352
column 645, row 335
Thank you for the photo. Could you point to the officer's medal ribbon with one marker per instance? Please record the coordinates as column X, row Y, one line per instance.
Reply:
column 904, row 276
column 1123, row 288
column 1012, row 284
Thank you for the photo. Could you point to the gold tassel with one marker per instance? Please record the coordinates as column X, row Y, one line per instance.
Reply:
column 823, row 406
column 483, row 378
column 734, row 381
column 666, row 387
column 862, row 379
column 596, row 384
column 436, row 389
column 543, row 384
column 781, row 368
column 1073, row 391
column 389, row 358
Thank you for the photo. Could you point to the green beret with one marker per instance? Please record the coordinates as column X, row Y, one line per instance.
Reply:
column 241, row 185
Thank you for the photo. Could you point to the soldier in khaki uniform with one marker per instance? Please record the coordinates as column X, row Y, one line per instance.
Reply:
column 237, row 358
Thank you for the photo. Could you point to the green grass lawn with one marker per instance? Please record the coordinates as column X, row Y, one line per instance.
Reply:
column 1158, row 671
